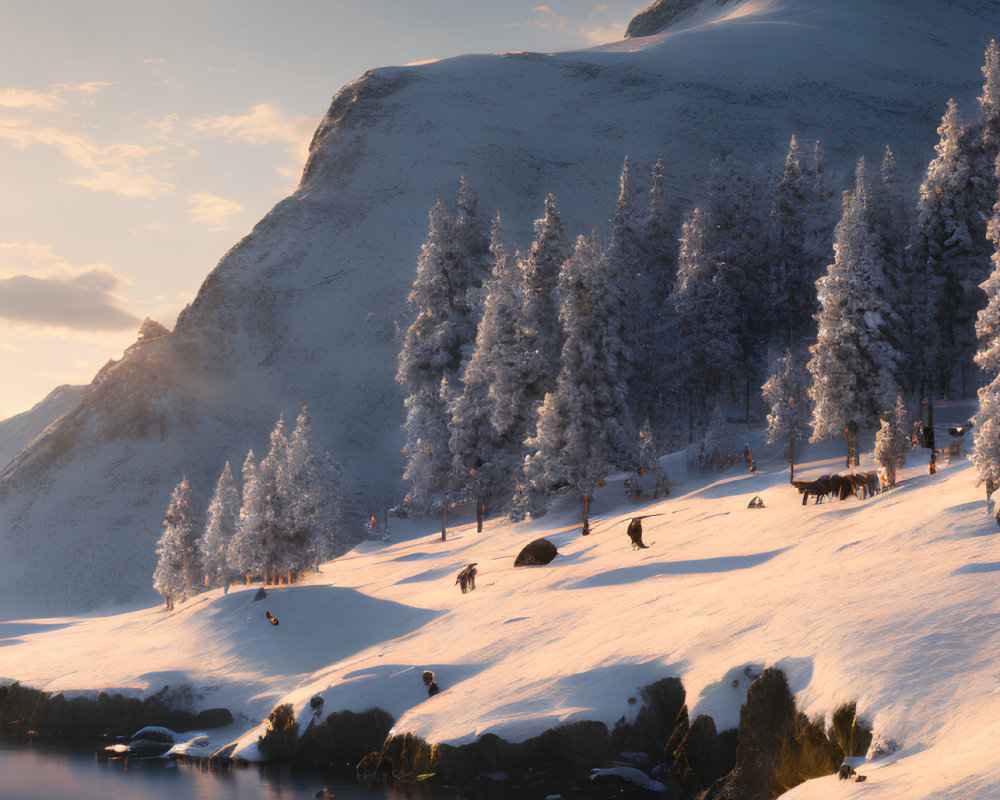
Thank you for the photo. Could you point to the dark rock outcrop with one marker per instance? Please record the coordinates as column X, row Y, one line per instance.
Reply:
column 537, row 552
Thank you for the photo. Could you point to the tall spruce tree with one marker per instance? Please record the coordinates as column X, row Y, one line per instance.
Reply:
column 484, row 424
column 585, row 427
column 798, row 236
column 948, row 259
column 446, row 303
column 223, row 516
column 853, row 365
column 178, row 569
column 539, row 321
column 986, row 452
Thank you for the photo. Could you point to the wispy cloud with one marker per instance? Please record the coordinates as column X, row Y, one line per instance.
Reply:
column 119, row 168
column 125, row 184
column 213, row 210
column 601, row 23
column 27, row 98
column 39, row 288
column 90, row 87
column 265, row 123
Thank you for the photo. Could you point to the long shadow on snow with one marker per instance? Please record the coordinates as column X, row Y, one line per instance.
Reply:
column 697, row 566
column 10, row 630
column 973, row 569
column 318, row 625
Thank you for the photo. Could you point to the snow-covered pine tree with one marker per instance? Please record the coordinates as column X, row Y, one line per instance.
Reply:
column 446, row 302
column 585, row 428
column 223, row 516
column 486, row 457
column 658, row 247
column 949, row 259
column 260, row 545
column 852, row 365
column 178, row 569
column 787, row 396
column 719, row 294
column 892, row 442
column 246, row 554
column 314, row 499
column 798, row 236
column 907, row 296
column 539, row 320
column 986, row 451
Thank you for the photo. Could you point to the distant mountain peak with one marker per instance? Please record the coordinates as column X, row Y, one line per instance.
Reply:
column 663, row 14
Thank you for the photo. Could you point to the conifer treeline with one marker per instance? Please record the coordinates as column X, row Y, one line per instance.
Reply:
column 525, row 373
column 288, row 517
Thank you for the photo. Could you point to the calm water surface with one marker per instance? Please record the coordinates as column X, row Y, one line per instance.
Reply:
column 40, row 772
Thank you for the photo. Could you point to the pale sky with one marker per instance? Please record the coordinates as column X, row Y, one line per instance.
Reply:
column 139, row 140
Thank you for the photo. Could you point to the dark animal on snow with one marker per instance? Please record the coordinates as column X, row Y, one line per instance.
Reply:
column 467, row 579
column 635, row 533
column 846, row 772
column 272, row 620
column 818, row 488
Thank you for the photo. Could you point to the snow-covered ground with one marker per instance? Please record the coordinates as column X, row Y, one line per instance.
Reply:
column 890, row 601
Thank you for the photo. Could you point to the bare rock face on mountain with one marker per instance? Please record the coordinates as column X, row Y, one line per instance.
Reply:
column 305, row 309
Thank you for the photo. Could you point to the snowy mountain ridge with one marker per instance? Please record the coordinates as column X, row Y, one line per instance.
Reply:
column 886, row 601
column 305, row 309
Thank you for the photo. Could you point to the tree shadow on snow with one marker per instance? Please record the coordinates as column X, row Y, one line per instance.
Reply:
column 698, row 566
column 974, row 569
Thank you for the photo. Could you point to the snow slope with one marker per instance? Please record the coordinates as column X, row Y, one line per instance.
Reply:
column 305, row 309
column 890, row 601
column 19, row 431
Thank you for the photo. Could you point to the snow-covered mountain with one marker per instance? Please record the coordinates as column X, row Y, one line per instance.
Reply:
column 889, row 601
column 19, row 431
column 305, row 309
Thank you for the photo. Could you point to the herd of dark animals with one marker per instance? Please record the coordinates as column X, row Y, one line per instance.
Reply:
column 841, row 486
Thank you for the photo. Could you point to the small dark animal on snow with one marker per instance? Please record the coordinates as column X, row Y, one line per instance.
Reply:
column 635, row 533
column 272, row 620
column 467, row 579
column 846, row 772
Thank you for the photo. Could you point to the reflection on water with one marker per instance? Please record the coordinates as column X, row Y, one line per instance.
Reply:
column 39, row 772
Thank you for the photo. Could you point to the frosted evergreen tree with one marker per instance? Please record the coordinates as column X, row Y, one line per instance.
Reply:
column 658, row 247
column 488, row 419
column 986, row 451
column 718, row 297
column 853, row 365
column 789, row 419
column 259, row 545
column 446, row 304
column 949, row 256
column 539, row 321
column 246, row 554
column 314, row 498
column 178, row 569
column 892, row 442
column 798, row 239
column 223, row 517
column 585, row 428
